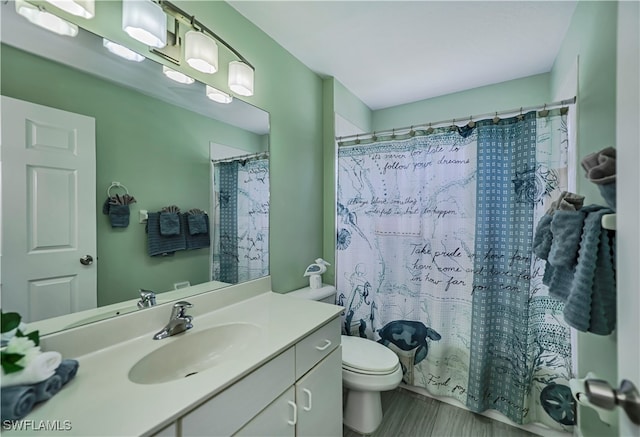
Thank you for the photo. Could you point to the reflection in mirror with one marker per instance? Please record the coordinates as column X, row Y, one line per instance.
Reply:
column 241, row 231
column 152, row 135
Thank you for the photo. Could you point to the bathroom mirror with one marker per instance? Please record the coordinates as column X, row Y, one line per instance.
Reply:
column 155, row 137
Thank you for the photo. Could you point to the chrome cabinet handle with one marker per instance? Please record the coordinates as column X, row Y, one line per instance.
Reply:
column 86, row 260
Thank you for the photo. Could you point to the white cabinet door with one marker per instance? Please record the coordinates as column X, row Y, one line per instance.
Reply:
column 48, row 210
column 277, row 420
column 319, row 398
column 228, row 411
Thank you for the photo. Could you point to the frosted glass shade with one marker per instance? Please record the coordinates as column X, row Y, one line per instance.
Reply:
column 46, row 20
column 177, row 76
column 218, row 96
column 80, row 8
column 122, row 51
column 201, row 52
column 240, row 78
column 145, row 21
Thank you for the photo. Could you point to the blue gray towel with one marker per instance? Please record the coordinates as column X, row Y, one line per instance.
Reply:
column 169, row 224
column 119, row 216
column 196, row 241
column 17, row 401
column 591, row 303
column 67, row 370
column 158, row 244
column 46, row 389
column 198, row 223
column 580, row 270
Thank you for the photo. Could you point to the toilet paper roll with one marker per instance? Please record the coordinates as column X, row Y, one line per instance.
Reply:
column 610, row 417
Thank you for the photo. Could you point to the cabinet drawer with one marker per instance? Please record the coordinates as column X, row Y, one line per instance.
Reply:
column 228, row 411
column 317, row 345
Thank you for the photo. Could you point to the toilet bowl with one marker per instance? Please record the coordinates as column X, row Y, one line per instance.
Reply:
column 368, row 368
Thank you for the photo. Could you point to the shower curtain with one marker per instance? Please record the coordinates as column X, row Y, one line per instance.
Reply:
column 241, row 236
column 434, row 260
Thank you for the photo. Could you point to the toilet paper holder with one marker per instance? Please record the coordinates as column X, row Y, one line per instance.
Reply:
column 600, row 394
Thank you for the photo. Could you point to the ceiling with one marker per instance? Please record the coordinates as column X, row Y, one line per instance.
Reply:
column 389, row 53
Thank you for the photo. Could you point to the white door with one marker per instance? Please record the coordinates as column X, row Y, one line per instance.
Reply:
column 628, row 201
column 48, row 210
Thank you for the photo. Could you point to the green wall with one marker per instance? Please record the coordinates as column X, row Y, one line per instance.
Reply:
column 528, row 91
column 158, row 151
column 592, row 39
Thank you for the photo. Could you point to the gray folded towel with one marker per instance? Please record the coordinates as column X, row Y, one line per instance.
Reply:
column 196, row 241
column 600, row 169
column 17, row 401
column 169, row 223
column 159, row 245
column 67, row 370
column 119, row 216
column 198, row 223
column 601, row 166
column 46, row 389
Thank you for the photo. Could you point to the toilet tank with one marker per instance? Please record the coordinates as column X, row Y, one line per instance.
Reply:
column 327, row 294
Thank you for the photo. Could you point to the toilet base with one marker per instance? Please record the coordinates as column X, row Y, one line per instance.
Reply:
column 362, row 411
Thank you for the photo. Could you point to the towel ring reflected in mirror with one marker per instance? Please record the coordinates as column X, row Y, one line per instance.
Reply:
column 116, row 184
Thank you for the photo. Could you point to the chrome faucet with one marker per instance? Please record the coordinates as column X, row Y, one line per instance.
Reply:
column 147, row 299
column 178, row 322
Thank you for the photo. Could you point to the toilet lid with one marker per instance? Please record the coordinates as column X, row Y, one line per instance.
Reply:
column 367, row 355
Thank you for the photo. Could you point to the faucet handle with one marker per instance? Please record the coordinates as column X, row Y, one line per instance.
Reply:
column 179, row 309
column 147, row 298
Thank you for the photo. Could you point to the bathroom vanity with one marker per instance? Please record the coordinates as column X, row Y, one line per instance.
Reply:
column 255, row 363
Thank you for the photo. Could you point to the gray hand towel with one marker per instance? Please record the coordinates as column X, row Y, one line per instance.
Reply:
column 196, row 241
column 119, row 216
column 198, row 223
column 169, row 224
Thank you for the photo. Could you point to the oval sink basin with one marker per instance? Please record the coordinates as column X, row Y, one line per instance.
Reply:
column 190, row 353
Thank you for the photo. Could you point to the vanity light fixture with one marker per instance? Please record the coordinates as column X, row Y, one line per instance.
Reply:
column 177, row 76
column 80, row 8
column 122, row 51
column 218, row 96
column 45, row 20
column 201, row 51
column 145, row 21
column 241, row 78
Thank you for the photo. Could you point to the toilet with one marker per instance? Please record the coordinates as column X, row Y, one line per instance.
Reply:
column 368, row 368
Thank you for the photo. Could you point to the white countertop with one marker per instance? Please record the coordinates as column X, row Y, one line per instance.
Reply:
column 101, row 400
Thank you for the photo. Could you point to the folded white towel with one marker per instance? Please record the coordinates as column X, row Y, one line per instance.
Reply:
column 41, row 367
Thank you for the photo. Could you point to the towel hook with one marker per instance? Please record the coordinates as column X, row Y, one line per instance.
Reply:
column 116, row 184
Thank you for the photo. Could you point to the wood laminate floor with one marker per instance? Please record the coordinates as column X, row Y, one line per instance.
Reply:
column 407, row 414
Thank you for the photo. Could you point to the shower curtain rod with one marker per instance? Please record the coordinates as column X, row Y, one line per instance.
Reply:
column 374, row 136
column 248, row 157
